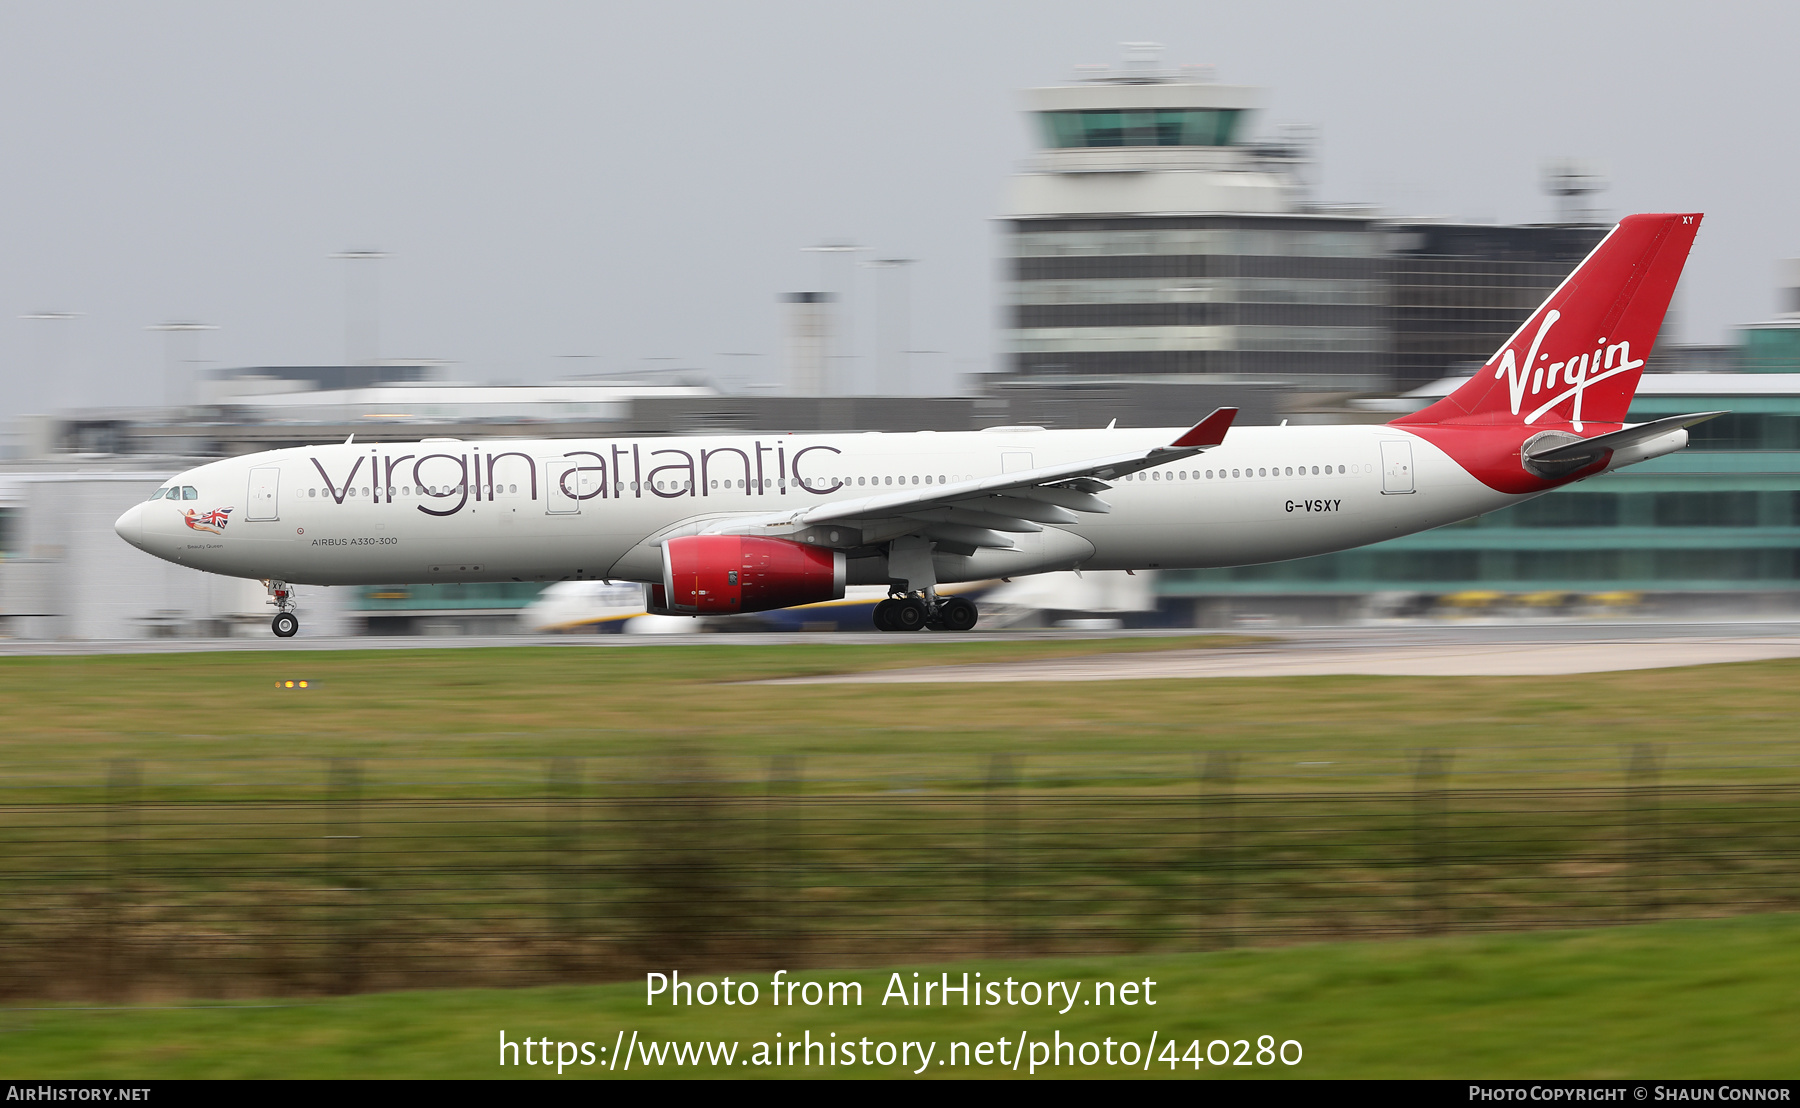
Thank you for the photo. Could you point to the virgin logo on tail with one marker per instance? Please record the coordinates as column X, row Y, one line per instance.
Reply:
column 1578, row 347
column 1572, row 372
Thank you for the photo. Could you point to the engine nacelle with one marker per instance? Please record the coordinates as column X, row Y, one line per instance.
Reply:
column 720, row 574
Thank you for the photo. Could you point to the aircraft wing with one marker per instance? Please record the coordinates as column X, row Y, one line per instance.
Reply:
column 983, row 511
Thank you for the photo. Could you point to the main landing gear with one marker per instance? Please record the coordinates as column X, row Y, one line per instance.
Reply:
column 917, row 613
column 285, row 624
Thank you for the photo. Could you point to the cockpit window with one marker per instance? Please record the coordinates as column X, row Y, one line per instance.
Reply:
column 189, row 492
column 158, row 494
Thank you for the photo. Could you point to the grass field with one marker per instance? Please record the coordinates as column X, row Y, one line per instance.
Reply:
column 60, row 718
column 1672, row 1000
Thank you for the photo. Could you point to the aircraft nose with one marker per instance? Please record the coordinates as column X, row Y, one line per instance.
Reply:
column 130, row 526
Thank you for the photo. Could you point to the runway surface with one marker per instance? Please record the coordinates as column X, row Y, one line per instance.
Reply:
column 1297, row 659
column 1394, row 649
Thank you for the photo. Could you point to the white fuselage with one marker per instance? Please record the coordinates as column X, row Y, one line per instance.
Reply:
column 445, row 510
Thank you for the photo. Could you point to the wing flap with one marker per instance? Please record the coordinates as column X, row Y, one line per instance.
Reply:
column 989, row 520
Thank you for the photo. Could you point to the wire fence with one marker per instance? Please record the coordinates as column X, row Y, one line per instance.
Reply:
column 131, row 888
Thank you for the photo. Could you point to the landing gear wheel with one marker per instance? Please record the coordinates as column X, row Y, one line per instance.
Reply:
column 285, row 625
column 907, row 615
column 884, row 615
column 957, row 614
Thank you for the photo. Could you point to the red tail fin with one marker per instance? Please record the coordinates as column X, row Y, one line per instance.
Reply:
column 1578, row 358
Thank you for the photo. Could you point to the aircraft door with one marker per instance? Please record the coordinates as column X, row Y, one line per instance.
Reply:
column 561, row 490
column 1015, row 461
column 1396, row 466
column 265, row 487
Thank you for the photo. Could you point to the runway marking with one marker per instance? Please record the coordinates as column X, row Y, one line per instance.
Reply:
column 1522, row 659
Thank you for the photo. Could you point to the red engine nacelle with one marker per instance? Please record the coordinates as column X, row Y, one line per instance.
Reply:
column 718, row 574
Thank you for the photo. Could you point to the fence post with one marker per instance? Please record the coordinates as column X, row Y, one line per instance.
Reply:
column 1429, row 849
column 1218, row 847
column 999, row 834
column 1643, row 823
column 343, row 802
column 123, row 783
column 783, row 924
column 562, row 863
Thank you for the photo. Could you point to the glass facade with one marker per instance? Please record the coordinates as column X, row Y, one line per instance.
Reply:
column 1459, row 291
column 1219, row 295
column 1772, row 349
column 448, row 597
column 1147, row 127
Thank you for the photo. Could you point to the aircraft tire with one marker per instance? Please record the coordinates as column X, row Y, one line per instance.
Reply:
column 957, row 614
column 908, row 615
column 883, row 611
column 285, row 625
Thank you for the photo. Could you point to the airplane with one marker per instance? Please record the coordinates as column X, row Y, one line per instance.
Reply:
column 715, row 524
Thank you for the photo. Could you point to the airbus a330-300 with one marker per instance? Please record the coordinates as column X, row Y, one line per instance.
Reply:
column 727, row 524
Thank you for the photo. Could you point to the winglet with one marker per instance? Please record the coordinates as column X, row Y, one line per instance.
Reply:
column 1209, row 431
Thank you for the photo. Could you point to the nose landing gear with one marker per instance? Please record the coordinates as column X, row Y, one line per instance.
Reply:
column 285, row 624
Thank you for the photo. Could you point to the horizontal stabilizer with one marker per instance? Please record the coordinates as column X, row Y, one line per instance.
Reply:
column 1585, row 449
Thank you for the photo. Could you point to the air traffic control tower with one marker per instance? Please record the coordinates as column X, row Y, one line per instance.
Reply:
column 1151, row 238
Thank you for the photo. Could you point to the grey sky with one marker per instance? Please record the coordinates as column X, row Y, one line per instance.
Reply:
column 624, row 182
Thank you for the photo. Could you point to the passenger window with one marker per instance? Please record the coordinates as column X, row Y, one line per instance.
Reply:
column 189, row 492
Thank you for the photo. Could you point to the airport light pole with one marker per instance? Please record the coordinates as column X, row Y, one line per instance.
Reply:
column 50, row 350
column 893, row 375
column 178, row 351
column 847, row 344
column 362, row 306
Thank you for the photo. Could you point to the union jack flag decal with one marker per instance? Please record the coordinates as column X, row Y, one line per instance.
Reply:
column 213, row 521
